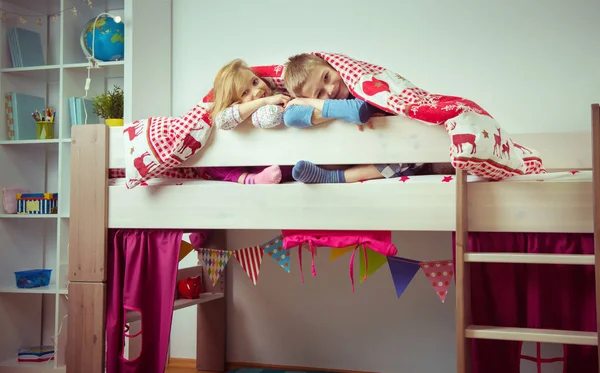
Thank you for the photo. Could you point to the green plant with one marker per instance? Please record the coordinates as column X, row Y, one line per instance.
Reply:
column 109, row 105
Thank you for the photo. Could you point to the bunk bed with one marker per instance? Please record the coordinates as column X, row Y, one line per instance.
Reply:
column 564, row 202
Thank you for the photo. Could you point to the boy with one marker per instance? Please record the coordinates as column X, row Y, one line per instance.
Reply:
column 322, row 95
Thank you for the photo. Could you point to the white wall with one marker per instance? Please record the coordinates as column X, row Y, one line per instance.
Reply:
column 532, row 64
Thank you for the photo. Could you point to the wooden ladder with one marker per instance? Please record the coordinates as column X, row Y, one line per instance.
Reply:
column 465, row 331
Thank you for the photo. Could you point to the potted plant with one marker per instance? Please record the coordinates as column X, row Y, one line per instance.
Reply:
column 109, row 105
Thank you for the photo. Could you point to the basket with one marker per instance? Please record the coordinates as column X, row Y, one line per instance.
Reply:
column 37, row 203
column 33, row 278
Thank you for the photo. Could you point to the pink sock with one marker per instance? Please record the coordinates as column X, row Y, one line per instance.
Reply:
column 270, row 175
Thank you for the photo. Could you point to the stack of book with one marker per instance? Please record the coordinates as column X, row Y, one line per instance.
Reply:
column 25, row 47
column 77, row 111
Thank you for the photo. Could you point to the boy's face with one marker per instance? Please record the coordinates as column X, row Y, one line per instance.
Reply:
column 251, row 87
column 324, row 83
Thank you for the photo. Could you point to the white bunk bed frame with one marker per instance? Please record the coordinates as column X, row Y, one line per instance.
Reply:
column 460, row 206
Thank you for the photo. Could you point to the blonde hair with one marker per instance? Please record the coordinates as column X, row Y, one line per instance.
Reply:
column 298, row 69
column 226, row 87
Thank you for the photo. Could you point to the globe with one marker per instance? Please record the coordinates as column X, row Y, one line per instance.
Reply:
column 109, row 42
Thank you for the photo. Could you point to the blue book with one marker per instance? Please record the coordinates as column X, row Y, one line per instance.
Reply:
column 21, row 107
column 28, row 47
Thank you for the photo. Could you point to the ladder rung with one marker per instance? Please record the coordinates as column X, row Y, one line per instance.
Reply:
column 532, row 335
column 530, row 258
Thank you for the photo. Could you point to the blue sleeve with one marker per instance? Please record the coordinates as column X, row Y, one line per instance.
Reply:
column 298, row 116
column 352, row 110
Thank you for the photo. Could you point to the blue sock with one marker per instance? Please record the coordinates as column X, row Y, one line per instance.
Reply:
column 310, row 173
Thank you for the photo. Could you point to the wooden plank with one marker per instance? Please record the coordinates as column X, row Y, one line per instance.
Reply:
column 530, row 207
column 179, row 304
column 212, row 318
column 394, row 139
column 596, row 204
column 574, row 259
column 89, row 214
column 463, row 285
column 533, row 335
column 86, row 326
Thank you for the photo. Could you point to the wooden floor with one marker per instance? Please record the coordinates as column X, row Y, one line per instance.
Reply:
column 184, row 370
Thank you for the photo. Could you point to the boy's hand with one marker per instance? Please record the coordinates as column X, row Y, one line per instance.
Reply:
column 369, row 124
column 314, row 102
column 277, row 100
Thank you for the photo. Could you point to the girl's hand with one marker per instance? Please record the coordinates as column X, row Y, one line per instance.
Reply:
column 277, row 100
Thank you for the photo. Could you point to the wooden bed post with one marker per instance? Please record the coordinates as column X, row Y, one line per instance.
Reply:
column 596, row 213
column 211, row 324
column 87, row 249
column 463, row 285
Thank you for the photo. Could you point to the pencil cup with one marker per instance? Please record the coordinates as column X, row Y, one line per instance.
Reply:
column 45, row 130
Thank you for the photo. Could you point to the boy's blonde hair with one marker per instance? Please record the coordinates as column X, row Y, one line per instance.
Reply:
column 226, row 87
column 298, row 69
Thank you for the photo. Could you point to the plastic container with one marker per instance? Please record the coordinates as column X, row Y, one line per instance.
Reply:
column 45, row 130
column 33, row 278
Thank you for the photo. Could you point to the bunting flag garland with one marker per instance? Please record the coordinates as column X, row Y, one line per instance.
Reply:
column 373, row 263
column 250, row 258
column 215, row 261
column 337, row 252
column 439, row 274
column 275, row 250
column 403, row 271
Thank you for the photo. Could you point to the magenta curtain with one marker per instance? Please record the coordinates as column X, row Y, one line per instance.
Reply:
column 532, row 295
column 142, row 272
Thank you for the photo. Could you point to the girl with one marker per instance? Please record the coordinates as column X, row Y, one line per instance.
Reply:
column 239, row 93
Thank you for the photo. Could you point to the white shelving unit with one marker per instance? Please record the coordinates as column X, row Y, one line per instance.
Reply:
column 39, row 316
column 30, row 317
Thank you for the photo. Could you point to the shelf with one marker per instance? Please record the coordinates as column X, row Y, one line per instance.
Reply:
column 532, row 335
column 30, row 216
column 181, row 303
column 110, row 69
column 13, row 365
column 50, row 289
column 31, row 142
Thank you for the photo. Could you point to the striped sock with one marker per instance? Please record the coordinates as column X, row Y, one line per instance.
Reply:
column 310, row 173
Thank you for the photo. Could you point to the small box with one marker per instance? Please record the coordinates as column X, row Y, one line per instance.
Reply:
column 33, row 278
column 37, row 203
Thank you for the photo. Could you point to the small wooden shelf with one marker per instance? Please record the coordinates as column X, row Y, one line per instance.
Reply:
column 532, row 335
column 181, row 303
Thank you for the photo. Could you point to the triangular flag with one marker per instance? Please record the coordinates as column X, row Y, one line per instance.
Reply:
column 274, row 249
column 403, row 270
column 250, row 259
column 215, row 261
column 439, row 274
column 337, row 252
column 374, row 262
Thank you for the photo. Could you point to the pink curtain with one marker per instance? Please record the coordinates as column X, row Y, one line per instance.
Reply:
column 142, row 271
column 532, row 295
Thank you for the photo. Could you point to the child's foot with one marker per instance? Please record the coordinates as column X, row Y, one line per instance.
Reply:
column 270, row 175
column 310, row 173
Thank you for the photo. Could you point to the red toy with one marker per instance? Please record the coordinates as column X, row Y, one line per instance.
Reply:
column 190, row 288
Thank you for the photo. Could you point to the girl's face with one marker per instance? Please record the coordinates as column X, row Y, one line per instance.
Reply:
column 250, row 87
